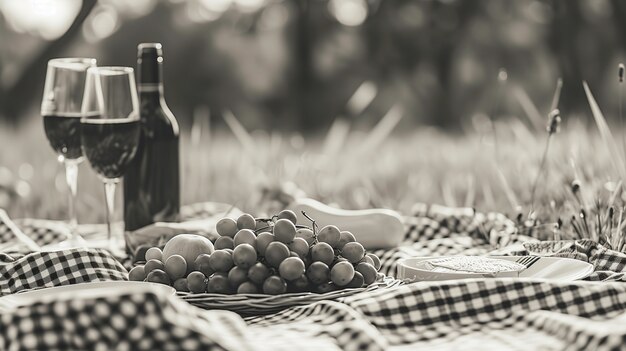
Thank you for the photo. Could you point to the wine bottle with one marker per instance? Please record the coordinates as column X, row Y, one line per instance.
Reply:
column 152, row 181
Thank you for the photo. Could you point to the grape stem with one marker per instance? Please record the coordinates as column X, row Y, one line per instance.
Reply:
column 313, row 223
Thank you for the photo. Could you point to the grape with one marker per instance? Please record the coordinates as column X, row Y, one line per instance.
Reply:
column 262, row 240
column 345, row 237
column 247, row 288
column 342, row 273
column 322, row 252
column 181, row 284
column 137, row 274
column 203, row 264
column 245, row 236
column 274, row 285
column 244, row 256
column 258, row 273
column 340, row 259
column 284, row 231
column 367, row 259
column 326, row 287
column 293, row 254
column 357, row 281
column 289, row 215
column 226, row 227
column 176, row 267
column 353, row 252
column 154, row 253
column 368, row 271
column 246, row 221
column 152, row 265
column 196, row 282
column 218, row 283
column 275, row 253
column 299, row 246
column 230, row 251
column 140, row 253
column 375, row 259
column 158, row 276
column 330, row 234
column 306, row 234
column 221, row 261
column 236, row 276
column 291, row 268
column 300, row 284
column 224, row 242
column 318, row 273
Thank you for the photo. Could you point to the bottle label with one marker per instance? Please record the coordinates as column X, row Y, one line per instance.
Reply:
column 150, row 87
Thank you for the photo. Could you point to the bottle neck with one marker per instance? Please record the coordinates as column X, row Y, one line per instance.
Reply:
column 150, row 76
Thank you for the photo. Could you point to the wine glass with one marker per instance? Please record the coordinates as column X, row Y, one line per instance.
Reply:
column 110, row 130
column 61, row 112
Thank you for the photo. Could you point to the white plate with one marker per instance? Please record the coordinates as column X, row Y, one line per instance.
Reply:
column 553, row 268
column 82, row 291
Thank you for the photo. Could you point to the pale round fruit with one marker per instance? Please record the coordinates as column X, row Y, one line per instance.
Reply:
column 137, row 274
column 226, row 227
column 275, row 253
column 158, row 276
column 258, row 273
column 291, row 268
column 323, row 252
column 196, row 282
column 236, row 276
column 289, row 215
column 299, row 246
column 262, row 240
column 274, row 285
column 203, row 264
column 246, row 221
column 367, row 259
column 376, row 260
column 330, row 234
column 224, row 242
column 154, row 253
column 152, row 265
column 244, row 256
column 345, row 237
column 342, row 273
column 284, row 231
column 247, row 288
column 218, row 283
column 357, row 281
column 181, row 284
column 368, row 271
column 190, row 246
column 176, row 267
column 306, row 234
column 221, row 261
column 245, row 236
column 353, row 252
column 318, row 273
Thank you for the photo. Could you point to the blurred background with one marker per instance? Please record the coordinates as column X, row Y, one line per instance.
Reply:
column 307, row 77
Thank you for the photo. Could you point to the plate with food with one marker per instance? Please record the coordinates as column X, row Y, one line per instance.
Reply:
column 464, row 267
column 263, row 265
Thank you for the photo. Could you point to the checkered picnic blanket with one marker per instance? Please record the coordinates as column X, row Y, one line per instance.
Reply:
column 476, row 314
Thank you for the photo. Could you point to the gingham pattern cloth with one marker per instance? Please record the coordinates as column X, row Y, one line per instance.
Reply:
column 477, row 314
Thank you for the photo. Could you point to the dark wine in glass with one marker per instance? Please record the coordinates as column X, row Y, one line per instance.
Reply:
column 110, row 144
column 63, row 133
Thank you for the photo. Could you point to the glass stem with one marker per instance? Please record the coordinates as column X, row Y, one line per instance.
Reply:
column 71, row 177
column 109, row 194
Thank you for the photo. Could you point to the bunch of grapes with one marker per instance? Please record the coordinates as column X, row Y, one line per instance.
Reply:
column 270, row 256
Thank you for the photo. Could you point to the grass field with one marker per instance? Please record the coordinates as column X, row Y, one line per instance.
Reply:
column 492, row 168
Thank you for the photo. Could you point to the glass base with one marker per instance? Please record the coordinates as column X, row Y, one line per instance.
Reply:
column 76, row 242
